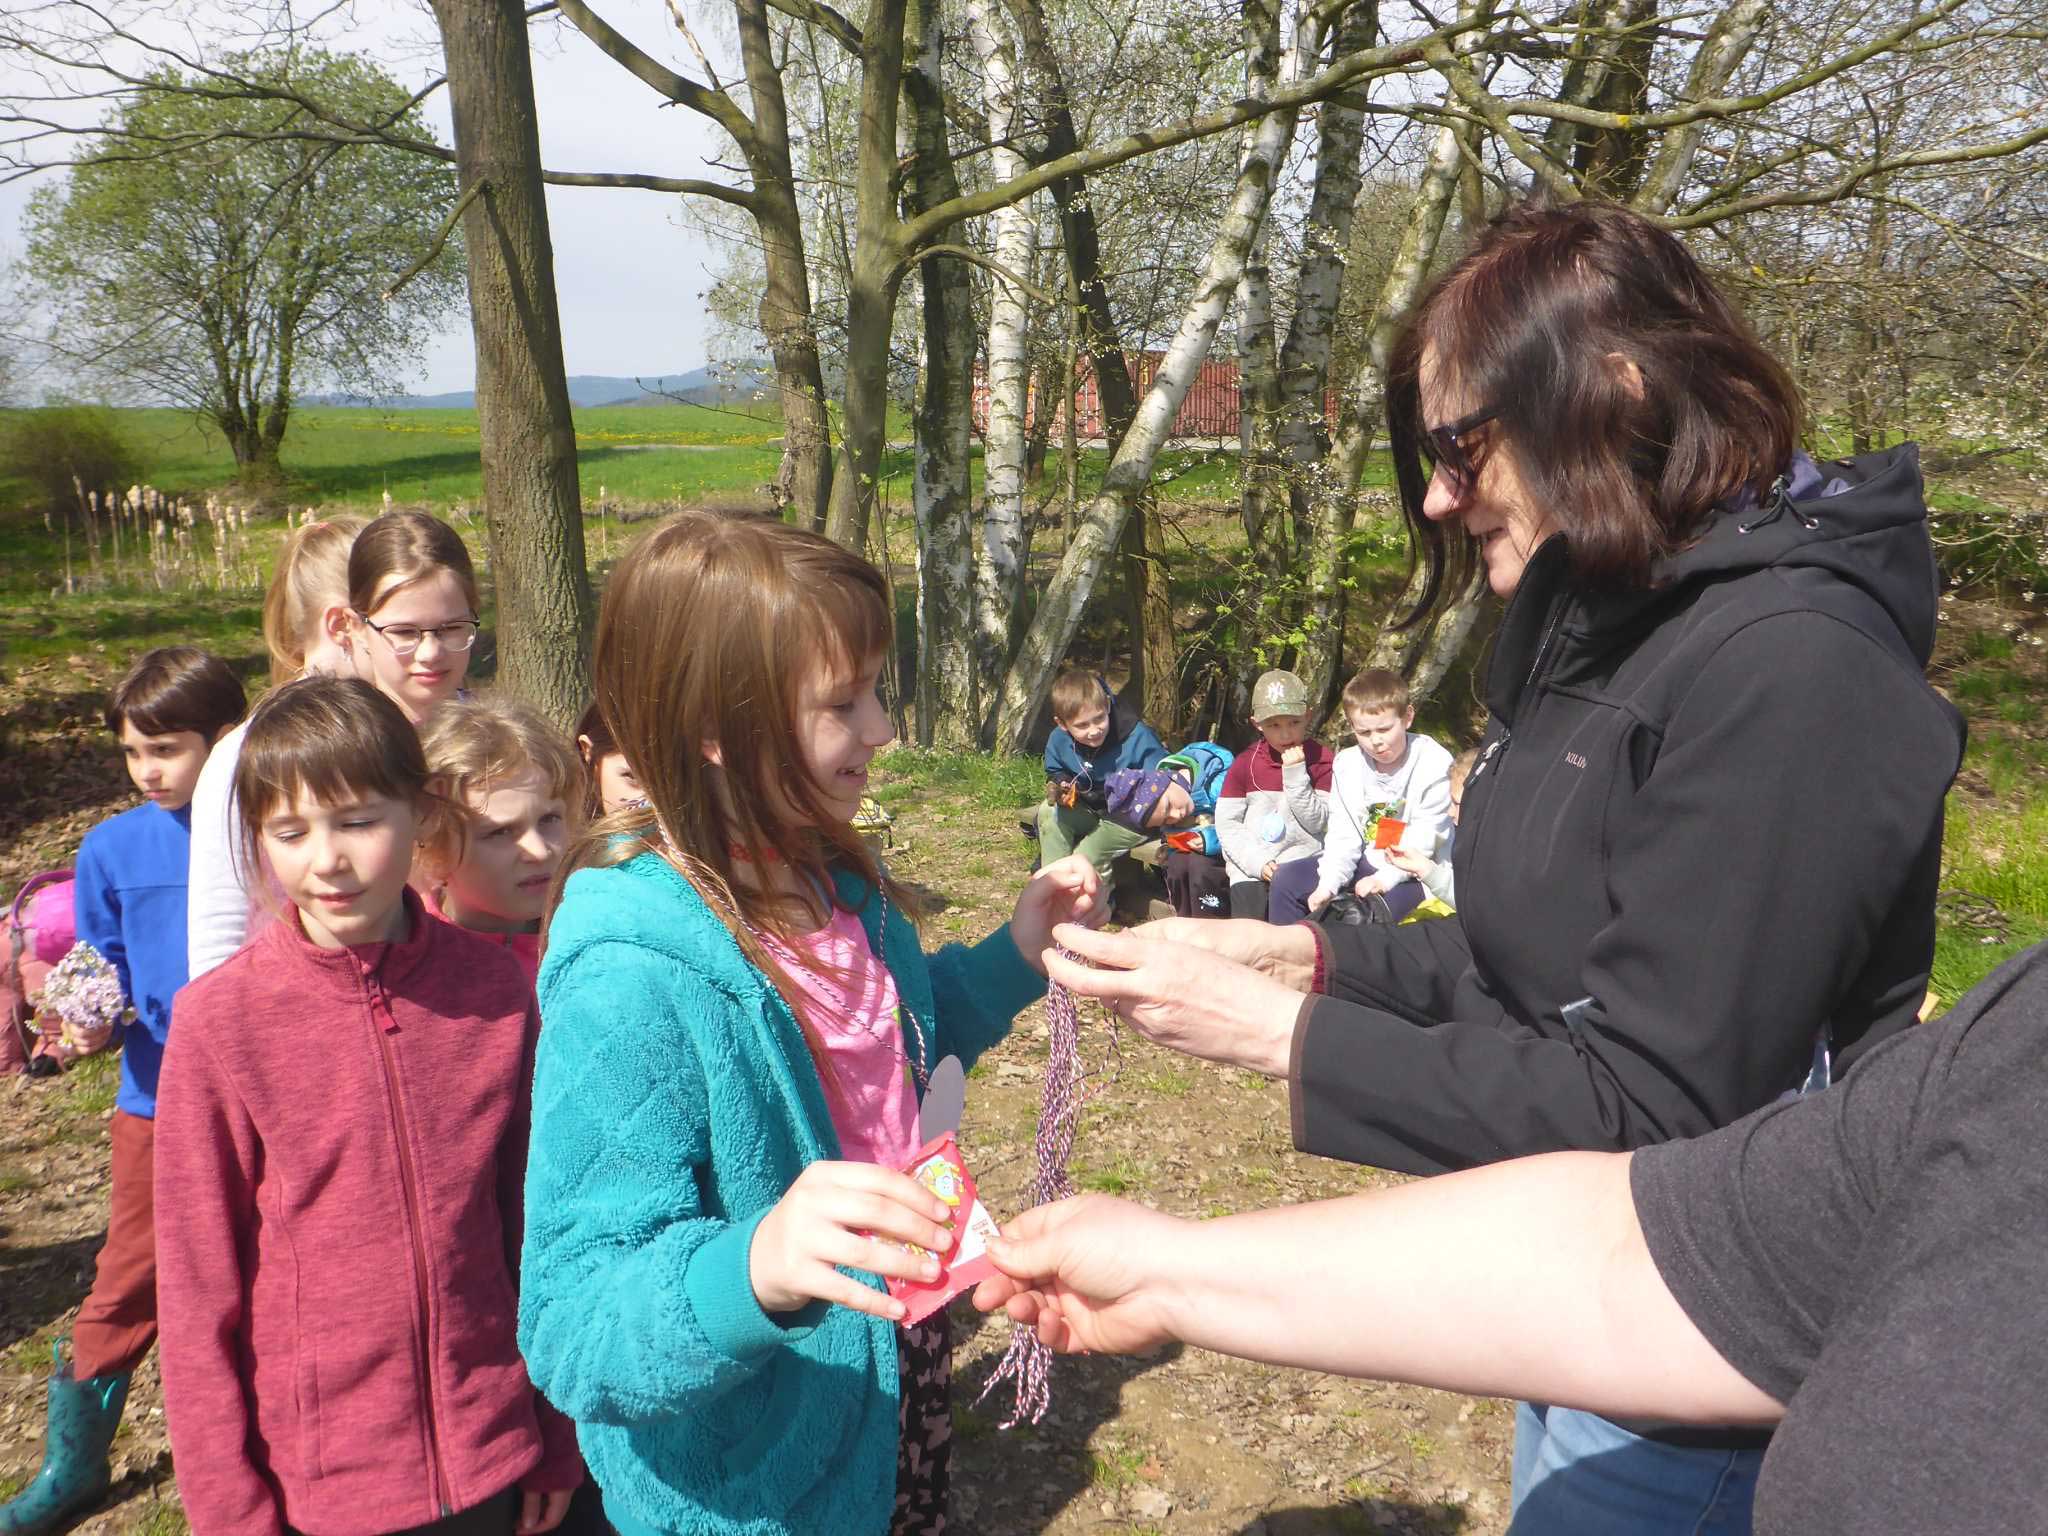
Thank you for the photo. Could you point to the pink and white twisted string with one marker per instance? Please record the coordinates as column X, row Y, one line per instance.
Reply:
column 1028, row 1362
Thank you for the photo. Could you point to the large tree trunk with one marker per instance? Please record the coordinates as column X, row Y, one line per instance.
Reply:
column 1059, row 610
column 1005, row 541
column 948, row 713
column 872, row 281
column 534, row 514
column 804, row 481
column 1262, row 493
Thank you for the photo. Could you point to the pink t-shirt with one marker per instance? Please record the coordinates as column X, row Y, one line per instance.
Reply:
column 873, row 1104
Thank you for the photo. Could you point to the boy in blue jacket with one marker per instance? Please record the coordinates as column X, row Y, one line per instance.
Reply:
column 1094, row 735
column 130, row 902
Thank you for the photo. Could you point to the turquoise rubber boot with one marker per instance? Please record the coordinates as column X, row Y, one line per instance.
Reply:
column 74, row 1475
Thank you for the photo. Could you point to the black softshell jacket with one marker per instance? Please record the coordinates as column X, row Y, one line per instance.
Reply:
column 1705, row 825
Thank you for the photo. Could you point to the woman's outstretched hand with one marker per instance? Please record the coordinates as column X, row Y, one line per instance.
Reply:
column 1068, row 891
column 1285, row 952
column 1078, row 1271
column 1190, row 999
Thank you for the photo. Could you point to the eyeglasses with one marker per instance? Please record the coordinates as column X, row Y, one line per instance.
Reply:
column 404, row 639
column 1441, row 446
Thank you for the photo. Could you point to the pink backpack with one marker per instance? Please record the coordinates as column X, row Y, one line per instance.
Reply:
column 41, row 928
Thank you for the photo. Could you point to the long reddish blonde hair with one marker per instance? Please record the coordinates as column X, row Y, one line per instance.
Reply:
column 708, row 629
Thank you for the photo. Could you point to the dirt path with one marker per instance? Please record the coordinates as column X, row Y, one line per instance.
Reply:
column 1187, row 1442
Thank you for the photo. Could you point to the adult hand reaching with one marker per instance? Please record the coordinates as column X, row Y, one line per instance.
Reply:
column 1075, row 1269
column 1285, row 952
column 1189, row 999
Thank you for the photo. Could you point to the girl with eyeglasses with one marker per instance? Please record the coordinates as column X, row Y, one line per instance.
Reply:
column 411, row 619
column 394, row 602
column 1699, row 849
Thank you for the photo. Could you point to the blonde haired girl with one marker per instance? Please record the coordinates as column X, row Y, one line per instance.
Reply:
column 307, row 590
column 516, row 787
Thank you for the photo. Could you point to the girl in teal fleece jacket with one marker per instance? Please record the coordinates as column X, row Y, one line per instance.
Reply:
column 736, row 1018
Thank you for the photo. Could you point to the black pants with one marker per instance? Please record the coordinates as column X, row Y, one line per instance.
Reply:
column 494, row 1517
column 1198, row 884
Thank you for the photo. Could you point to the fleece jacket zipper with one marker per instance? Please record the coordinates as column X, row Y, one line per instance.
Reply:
column 386, row 1025
column 1496, row 753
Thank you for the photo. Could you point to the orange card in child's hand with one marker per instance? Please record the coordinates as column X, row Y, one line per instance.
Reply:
column 1388, row 833
column 939, row 1167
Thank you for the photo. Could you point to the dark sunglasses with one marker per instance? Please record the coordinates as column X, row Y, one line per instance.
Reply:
column 1441, row 447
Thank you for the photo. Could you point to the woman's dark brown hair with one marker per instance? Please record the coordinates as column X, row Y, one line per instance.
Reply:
column 1534, row 323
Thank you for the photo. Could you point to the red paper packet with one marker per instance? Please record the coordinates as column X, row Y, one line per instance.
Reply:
column 940, row 1168
column 1388, row 833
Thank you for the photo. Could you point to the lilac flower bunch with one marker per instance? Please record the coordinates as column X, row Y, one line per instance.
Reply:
column 84, row 992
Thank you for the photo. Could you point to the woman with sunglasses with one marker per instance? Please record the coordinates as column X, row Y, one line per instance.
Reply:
column 1699, row 851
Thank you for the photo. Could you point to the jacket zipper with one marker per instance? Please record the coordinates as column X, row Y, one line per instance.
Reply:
column 408, row 1181
column 1495, row 756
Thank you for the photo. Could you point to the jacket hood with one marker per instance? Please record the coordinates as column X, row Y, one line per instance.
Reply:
column 1863, row 520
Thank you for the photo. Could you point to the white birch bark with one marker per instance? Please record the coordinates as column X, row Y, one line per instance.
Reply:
column 1095, row 538
column 999, row 567
column 1303, row 369
column 1728, row 42
column 1262, row 498
column 1334, row 501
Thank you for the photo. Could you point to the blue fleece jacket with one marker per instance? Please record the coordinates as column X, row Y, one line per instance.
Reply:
column 130, row 906
column 1131, row 743
column 674, row 1104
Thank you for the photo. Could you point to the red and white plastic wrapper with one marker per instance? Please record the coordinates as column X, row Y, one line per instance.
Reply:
column 940, row 1168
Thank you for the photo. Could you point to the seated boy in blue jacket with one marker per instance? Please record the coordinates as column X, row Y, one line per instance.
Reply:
column 1094, row 735
column 1178, row 800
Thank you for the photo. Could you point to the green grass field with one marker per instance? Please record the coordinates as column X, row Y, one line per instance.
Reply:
column 340, row 457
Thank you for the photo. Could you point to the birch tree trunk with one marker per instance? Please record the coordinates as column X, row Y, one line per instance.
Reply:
column 1148, row 597
column 1334, row 501
column 1300, row 433
column 948, row 634
column 1095, row 537
column 1423, row 652
column 1005, row 545
column 1728, row 42
column 1263, row 497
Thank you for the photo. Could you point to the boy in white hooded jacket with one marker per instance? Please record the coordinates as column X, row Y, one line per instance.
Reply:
column 1392, row 775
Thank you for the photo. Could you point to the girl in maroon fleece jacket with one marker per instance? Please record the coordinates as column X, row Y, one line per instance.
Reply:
column 345, row 1153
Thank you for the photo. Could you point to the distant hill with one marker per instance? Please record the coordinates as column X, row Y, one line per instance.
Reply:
column 700, row 386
